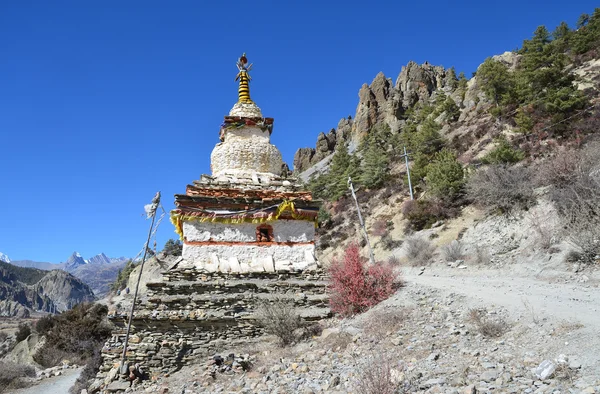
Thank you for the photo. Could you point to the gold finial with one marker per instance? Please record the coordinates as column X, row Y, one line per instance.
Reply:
column 244, row 78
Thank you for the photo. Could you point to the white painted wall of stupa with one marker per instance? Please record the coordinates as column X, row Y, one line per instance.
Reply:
column 250, row 258
column 283, row 231
column 246, row 150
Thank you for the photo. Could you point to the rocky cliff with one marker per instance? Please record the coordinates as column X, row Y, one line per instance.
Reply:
column 23, row 290
column 384, row 102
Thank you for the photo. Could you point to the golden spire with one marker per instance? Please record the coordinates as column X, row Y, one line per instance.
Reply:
column 244, row 77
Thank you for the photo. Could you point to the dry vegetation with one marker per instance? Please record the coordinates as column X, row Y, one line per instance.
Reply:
column 418, row 250
column 487, row 326
column 279, row 317
column 13, row 376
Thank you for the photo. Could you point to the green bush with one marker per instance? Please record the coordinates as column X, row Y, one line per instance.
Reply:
column 75, row 335
column 445, row 175
column 23, row 331
column 504, row 153
column 44, row 324
column 123, row 276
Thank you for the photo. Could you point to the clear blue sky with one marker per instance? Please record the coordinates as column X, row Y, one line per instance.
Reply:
column 103, row 103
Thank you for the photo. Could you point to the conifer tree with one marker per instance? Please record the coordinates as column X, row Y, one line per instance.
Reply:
column 445, row 175
column 375, row 161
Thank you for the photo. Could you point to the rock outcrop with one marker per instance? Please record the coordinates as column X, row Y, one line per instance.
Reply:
column 381, row 103
column 23, row 290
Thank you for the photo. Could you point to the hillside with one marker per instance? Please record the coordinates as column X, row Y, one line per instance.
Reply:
column 98, row 272
column 523, row 123
column 26, row 290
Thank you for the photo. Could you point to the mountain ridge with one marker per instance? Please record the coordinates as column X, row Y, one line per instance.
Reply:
column 26, row 290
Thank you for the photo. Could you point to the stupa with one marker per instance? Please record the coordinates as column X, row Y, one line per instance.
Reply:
column 248, row 238
column 248, row 216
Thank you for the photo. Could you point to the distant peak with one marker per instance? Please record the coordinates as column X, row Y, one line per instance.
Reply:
column 4, row 258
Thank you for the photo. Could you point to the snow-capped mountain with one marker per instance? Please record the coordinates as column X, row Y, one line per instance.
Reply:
column 4, row 258
column 99, row 259
column 74, row 261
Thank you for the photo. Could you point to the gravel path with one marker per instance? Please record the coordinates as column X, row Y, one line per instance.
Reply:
column 527, row 299
column 56, row 385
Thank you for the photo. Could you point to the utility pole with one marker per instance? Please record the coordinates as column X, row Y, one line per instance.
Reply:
column 360, row 219
column 405, row 155
column 150, row 212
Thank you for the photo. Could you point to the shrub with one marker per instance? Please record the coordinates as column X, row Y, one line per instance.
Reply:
column 11, row 374
column 453, row 251
column 486, row 326
column 89, row 372
column 23, row 331
column 501, row 188
column 354, row 288
column 375, row 377
column 389, row 243
column 123, row 276
column 445, row 175
column 279, row 317
column 44, row 324
column 575, row 193
column 422, row 214
column 418, row 249
column 324, row 217
column 75, row 335
column 379, row 228
column 503, row 153
column 394, row 261
column 481, row 255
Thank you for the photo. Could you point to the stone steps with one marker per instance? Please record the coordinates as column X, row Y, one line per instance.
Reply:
column 232, row 300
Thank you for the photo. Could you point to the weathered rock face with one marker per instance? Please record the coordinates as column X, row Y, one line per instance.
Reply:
column 380, row 103
column 23, row 290
column 192, row 312
column 418, row 82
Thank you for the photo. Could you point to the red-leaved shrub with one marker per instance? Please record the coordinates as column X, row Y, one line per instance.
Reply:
column 354, row 287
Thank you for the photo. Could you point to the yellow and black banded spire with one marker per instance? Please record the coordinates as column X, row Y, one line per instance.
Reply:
column 244, row 78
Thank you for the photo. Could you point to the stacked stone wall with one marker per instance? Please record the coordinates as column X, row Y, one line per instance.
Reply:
column 192, row 313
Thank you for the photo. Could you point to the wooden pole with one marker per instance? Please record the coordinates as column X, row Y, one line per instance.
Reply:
column 362, row 223
column 154, row 207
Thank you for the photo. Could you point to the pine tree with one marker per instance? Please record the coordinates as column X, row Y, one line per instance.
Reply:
column 496, row 81
column 339, row 171
column 445, row 175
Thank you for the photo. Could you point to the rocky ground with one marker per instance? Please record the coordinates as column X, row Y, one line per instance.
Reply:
column 448, row 330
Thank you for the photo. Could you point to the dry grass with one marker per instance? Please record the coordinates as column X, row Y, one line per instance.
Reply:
column 384, row 322
column 481, row 255
column 501, row 188
column 375, row 377
column 488, row 327
column 13, row 376
column 575, row 191
column 419, row 250
column 455, row 250
column 279, row 317
column 565, row 373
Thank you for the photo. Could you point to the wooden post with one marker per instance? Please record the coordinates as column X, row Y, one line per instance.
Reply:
column 154, row 207
column 360, row 219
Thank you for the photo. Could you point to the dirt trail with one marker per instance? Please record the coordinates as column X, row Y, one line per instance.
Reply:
column 56, row 385
column 547, row 306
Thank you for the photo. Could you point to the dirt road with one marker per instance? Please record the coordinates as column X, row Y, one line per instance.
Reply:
column 56, row 385
column 548, row 308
